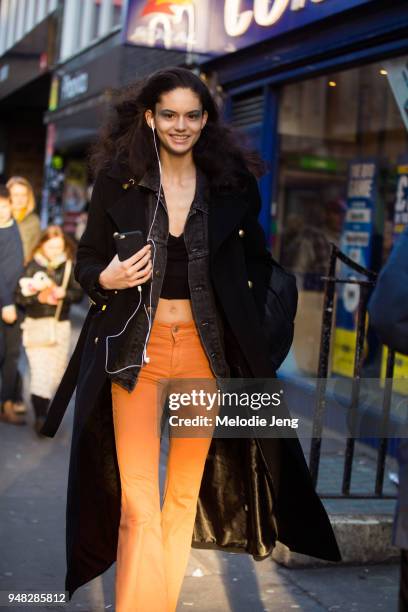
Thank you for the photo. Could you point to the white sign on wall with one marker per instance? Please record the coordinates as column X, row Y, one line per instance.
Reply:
column 397, row 74
column 73, row 86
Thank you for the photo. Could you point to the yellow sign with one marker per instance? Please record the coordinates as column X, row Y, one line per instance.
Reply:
column 400, row 371
column 53, row 99
column 344, row 350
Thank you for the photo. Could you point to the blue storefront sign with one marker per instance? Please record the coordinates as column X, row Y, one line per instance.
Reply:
column 216, row 27
column 356, row 243
column 401, row 199
column 400, row 223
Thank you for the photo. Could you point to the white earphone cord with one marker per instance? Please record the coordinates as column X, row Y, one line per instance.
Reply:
column 145, row 358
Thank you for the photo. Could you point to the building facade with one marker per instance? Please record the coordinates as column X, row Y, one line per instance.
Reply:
column 28, row 42
column 322, row 93
column 319, row 87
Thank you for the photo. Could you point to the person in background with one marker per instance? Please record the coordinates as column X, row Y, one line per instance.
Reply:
column 308, row 252
column 39, row 292
column 23, row 203
column 11, row 267
column 388, row 310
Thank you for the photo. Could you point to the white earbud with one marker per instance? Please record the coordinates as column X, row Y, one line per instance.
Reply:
column 145, row 358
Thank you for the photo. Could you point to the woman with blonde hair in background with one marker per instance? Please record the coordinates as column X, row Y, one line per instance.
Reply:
column 23, row 205
column 23, row 209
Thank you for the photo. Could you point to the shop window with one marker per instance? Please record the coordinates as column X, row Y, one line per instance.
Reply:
column 326, row 125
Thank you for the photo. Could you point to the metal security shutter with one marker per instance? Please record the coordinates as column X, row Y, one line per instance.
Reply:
column 247, row 109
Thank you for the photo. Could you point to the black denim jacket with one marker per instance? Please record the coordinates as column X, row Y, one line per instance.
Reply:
column 124, row 371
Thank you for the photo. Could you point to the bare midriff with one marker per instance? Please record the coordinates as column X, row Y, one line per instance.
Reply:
column 174, row 310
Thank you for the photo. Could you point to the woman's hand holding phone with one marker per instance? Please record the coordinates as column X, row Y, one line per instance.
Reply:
column 130, row 272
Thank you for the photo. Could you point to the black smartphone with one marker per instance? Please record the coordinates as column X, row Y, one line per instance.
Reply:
column 128, row 243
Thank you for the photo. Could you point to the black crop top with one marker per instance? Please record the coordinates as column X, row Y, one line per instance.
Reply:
column 175, row 282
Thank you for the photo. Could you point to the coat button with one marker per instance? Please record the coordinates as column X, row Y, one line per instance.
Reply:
column 204, row 323
column 213, row 355
column 250, row 283
column 157, row 272
column 241, row 233
column 96, row 340
column 115, row 292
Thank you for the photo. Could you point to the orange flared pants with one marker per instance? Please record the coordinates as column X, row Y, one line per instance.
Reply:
column 154, row 543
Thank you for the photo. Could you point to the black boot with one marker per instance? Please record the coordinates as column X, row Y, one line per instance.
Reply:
column 40, row 405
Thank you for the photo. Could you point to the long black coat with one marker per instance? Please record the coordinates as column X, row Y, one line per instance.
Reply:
column 253, row 491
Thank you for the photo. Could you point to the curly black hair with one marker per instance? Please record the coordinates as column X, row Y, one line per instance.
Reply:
column 220, row 152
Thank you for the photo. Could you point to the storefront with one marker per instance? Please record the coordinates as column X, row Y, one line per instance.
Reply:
column 318, row 86
column 25, row 75
column 324, row 97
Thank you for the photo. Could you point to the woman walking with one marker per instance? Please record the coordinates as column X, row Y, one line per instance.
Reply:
column 23, row 204
column 46, row 291
column 202, row 299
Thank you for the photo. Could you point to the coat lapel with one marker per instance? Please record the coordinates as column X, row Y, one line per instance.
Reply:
column 129, row 213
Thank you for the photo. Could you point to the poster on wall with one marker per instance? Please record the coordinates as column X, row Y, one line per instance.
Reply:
column 401, row 199
column 356, row 243
column 400, row 222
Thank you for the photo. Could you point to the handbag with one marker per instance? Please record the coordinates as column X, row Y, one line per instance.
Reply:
column 42, row 331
